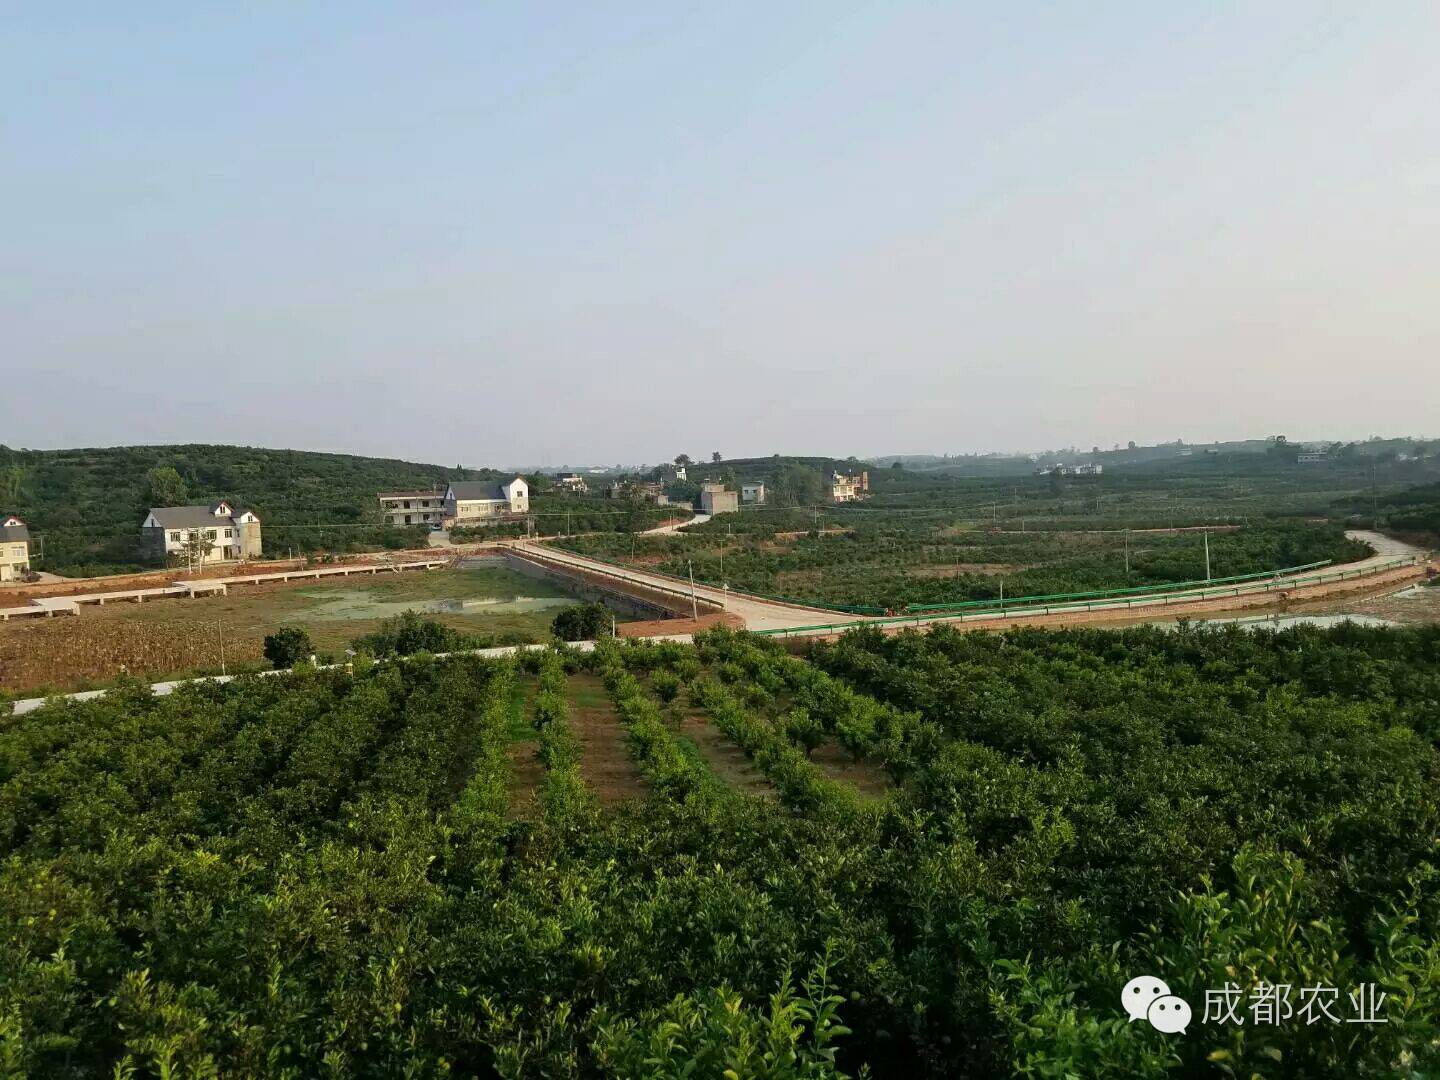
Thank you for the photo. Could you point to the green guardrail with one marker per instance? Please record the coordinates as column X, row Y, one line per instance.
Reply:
column 839, row 609
column 1100, row 594
column 1047, row 609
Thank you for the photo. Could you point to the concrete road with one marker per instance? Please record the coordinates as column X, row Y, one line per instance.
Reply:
column 1382, row 544
column 758, row 613
column 676, row 526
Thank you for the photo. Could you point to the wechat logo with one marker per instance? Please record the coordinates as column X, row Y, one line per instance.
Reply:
column 1149, row 998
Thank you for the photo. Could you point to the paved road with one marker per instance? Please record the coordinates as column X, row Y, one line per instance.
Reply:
column 758, row 613
column 762, row 614
column 1382, row 544
column 676, row 526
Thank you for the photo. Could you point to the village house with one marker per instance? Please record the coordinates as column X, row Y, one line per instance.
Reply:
column 572, row 482
column 849, row 488
column 412, row 507
column 230, row 535
column 471, row 501
column 752, row 491
column 641, row 490
column 718, row 499
column 14, row 549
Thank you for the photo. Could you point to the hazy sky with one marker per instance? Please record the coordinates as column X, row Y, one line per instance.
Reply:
column 491, row 233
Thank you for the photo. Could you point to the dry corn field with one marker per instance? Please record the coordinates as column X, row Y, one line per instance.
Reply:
column 69, row 650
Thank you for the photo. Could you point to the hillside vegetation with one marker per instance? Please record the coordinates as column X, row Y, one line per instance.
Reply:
column 88, row 504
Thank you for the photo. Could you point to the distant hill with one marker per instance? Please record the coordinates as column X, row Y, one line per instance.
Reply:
column 87, row 504
column 1243, row 454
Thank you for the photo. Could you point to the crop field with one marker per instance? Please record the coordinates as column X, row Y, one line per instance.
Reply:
column 920, row 856
column 887, row 560
column 165, row 638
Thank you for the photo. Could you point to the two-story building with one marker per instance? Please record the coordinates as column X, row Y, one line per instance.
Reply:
column 412, row 507
column 716, row 498
column 468, row 502
column 571, row 482
column 14, row 548
column 227, row 534
column 752, row 491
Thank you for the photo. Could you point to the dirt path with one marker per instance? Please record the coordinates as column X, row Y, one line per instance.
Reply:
column 726, row 760
column 526, row 777
column 866, row 777
column 605, row 759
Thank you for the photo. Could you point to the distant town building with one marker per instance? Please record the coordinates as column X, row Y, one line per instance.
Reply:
column 718, row 499
column 752, row 491
column 572, row 482
column 849, row 488
column 412, row 507
column 471, row 501
column 1311, row 457
column 1057, row 469
column 14, row 549
column 228, row 534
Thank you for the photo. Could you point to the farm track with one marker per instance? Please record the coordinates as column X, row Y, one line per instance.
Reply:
column 726, row 760
column 605, row 760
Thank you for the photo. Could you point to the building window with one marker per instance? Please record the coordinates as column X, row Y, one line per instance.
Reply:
column 209, row 534
column 174, row 537
column 229, row 533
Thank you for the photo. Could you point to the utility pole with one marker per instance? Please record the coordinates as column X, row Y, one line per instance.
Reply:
column 1374, row 500
column 1127, row 553
column 220, row 631
column 1207, row 555
column 694, row 611
column 1002, row 594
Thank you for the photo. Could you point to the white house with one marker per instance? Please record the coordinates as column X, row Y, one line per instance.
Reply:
column 470, row 501
column 14, row 548
column 752, row 491
column 572, row 482
column 231, row 534
column 849, row 488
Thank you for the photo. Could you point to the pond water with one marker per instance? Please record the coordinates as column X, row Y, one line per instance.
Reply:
column 358, row 604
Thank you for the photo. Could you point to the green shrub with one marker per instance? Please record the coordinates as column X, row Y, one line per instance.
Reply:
column 287, row 647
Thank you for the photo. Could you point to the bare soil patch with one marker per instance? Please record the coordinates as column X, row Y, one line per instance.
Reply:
column 605, row 757
column 960, row 569
column 653, row 627
column 726, row 760
column 867, row 778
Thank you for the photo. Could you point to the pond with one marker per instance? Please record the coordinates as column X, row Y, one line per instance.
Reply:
column 348, row 604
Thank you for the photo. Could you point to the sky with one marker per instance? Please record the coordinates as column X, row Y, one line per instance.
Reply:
column 499, row 233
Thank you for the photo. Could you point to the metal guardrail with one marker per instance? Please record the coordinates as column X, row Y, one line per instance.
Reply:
column 1115, row 604
column 1100, row 594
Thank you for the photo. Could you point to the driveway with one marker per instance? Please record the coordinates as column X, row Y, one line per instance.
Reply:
column 675, row 526
column 1382, row 544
